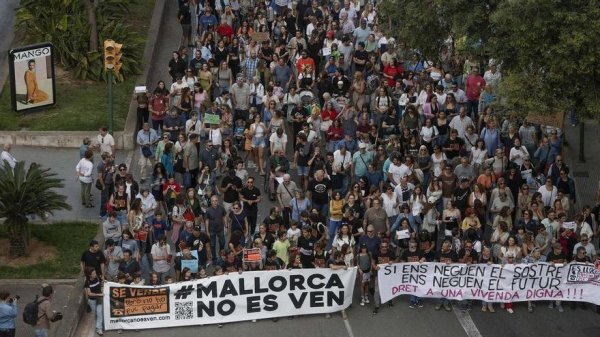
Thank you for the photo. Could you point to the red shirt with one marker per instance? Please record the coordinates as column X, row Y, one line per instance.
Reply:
column 475, row 84
column 334, row 133
column 159, row 104
column 302, row 63
column 392, row 71
column 328, row 114
column 225, row 30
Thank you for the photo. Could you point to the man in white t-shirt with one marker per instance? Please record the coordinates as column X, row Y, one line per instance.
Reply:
column 342, row 168
column 395, row 172
column 278, row 141
column 84, row 170
column 461, row 122
column 7, row 157
column 105, row 141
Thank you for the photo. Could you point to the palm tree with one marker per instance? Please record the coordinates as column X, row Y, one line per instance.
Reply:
column 25, row 192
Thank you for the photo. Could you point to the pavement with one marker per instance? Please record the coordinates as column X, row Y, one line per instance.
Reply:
column 28, row 289
column 62, row 161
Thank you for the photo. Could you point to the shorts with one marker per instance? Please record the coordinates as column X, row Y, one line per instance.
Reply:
column 303, row 171
column 258, row 142
column 366, row 277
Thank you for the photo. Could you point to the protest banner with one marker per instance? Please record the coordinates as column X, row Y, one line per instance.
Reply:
column 252, row 255
column 228, row 298
column 260, row 36
column 491, row 283
column 212, row 119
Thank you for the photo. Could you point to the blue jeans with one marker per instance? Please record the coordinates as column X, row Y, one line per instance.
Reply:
column 41, row 332
column 323, row 209
column 414, row 299
column 96, row 306
column 220, row 235
column 333, row 228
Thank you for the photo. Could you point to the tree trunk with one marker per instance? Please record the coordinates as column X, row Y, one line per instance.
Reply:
column 17, row 247
column 90, row 7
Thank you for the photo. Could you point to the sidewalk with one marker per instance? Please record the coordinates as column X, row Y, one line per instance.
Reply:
column 168, row 40
column 63, row 162
column 28, row 289
column 586, row 175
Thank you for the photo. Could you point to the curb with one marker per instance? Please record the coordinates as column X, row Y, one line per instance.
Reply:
column 37, row 281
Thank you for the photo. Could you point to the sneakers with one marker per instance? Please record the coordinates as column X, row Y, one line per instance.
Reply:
column 491, row 307
column 510, row 311
column 529, row 309
column 412, row 305
column 99, row 332
column 420, row 304
column 438, row 307
column 551, row 305
column 362, row 301
column 375, row 311
column 484, row 308
column 447, row 307
column 560, row 308
column 367, row 299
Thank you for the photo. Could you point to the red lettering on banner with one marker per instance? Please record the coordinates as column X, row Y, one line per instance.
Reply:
column 452, row 293
column 492, row 296
column 404, row 288
column 429, row 292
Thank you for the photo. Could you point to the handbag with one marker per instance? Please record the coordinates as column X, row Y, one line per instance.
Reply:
column 146, row 151
column 98, row 185
column 325, row 125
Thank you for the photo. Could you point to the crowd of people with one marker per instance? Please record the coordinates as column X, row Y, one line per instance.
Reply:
column 369, row 153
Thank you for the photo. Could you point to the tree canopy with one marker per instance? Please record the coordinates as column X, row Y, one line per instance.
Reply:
column 548, row 50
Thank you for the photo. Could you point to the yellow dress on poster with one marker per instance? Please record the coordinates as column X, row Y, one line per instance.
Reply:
column 34, row 94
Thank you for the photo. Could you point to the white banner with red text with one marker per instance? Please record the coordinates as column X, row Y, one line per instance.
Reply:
column 491, row 282
column 228, row 298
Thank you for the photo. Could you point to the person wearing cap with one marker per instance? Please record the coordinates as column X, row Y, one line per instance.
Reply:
column 93, row 257
column 113, row 255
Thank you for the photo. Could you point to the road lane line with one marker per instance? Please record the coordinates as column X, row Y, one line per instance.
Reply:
column 467, row 323
column 347, row 324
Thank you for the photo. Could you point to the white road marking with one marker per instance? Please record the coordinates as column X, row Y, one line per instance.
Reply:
column 347, row 324
column 467, row 323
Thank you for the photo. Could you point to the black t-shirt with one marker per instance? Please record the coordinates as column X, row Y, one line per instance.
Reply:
column 363, row 56
column 273, row 224
column 455, row 145
column 304, row 153
column 450, row 256
column 193, row 242
column 306, row 248
column 185, row 15
column 274, row 264
column 408, row 256
column 319, row 190
column 130, row 267
column 556, row 258
column 250, row 193
column 94, row 260
column 384, row 257
column 231, row 194
column 268, row 240
column 468, row 258
column 232, row 266
column 95, row 286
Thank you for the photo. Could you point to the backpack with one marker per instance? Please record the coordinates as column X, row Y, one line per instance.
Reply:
column 30, row 313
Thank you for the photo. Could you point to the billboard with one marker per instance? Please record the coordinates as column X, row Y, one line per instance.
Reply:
column 32, row 77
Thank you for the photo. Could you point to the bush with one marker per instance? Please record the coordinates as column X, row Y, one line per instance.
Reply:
column 65, row 24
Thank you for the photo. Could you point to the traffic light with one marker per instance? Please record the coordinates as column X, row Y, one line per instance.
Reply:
column 112, row 55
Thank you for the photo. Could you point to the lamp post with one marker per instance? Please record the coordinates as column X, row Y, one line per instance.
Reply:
column 110, row 98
